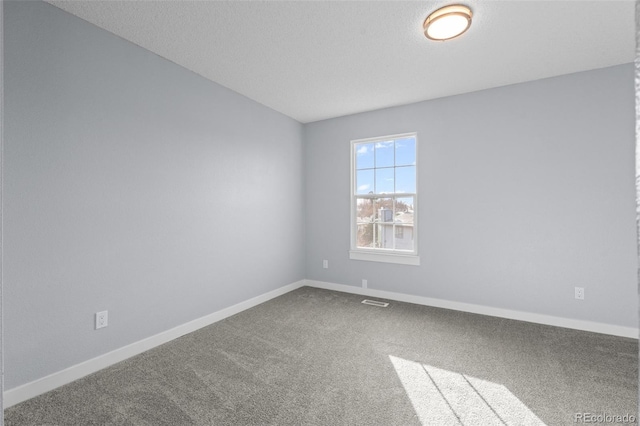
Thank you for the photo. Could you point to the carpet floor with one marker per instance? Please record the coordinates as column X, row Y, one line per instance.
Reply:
column 318, row 357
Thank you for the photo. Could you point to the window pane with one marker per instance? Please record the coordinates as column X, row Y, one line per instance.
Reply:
column 385, row 235
column 364, row 181
column 405, row 179
column 403, row 221
column 384, row 209
column 404, row 210
column 384, row 154
column 364, row 156
column 384, row 225
column 365, row 219
column 365, row 210
column 384, row 180
column 404, row 237
column 406, row 152
column 364, row 239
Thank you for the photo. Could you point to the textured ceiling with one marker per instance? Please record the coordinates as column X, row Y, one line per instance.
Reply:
column 313, row 60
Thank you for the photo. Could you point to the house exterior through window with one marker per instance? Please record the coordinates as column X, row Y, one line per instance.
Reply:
column 384, row 199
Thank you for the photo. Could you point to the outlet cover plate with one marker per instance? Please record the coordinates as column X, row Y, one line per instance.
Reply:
column 102, row 319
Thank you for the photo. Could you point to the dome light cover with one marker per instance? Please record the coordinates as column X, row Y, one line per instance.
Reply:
column 447, row 22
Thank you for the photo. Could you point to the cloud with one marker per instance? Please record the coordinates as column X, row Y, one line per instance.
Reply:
column 362, row 150
column 364, row 187
column 381, row 145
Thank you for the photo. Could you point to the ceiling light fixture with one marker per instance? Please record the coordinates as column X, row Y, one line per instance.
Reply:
column 447, row 22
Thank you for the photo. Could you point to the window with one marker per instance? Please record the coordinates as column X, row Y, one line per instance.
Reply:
column 384, row 199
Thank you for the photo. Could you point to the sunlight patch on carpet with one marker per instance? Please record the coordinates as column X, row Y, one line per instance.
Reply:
column 441, row 397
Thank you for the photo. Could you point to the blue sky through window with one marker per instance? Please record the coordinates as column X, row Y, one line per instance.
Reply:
column 386, row 166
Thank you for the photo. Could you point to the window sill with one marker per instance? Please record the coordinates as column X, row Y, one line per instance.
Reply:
column 376, row 256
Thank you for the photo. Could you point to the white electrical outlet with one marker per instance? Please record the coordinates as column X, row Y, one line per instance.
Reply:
column 580, row 293
column 325, row 264
column 364, row 283
column 102, row 319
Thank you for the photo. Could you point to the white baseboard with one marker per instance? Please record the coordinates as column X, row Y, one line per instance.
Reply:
column 52, row 381
column 595, row 327
column 55, row 380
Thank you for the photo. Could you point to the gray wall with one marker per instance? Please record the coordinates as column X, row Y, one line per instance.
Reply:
column 1, row 174
column 135, row 186
column 637, row 81
column 525, row 192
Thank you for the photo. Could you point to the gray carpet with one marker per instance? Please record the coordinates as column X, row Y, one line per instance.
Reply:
column 317, row 357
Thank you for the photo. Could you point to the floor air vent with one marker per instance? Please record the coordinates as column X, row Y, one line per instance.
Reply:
column 375, row 303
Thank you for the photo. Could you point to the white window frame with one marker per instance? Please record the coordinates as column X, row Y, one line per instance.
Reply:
column 381, row 254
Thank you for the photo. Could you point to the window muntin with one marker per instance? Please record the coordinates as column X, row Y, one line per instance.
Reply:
column 384, row 195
